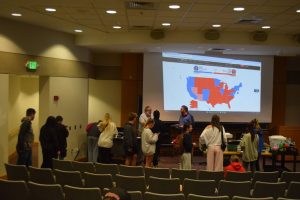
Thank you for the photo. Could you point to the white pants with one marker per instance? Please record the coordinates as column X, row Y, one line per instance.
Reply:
column 186, row 161
column 214, row 158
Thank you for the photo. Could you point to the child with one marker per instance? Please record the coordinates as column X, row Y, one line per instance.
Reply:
column 234, row 166
column 187, row 147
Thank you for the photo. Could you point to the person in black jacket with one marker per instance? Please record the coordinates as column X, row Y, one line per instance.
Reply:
column 187, row 147
column 49, row 142
column 25, row 139
column 62, row 134
column 159, row 127
column 130, row 140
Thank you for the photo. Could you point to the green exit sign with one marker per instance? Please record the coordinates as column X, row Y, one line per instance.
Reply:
column 32, row 65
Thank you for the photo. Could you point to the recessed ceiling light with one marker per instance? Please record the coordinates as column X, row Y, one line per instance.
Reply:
column 239, row 9
column 111, row 12
column 266, row 27
column 50, row 9
column 298, row 11
column 117, row 27
column 216, row 25
column 78, row 31
column 16, row 14
column 166, row 24
column 174, row 6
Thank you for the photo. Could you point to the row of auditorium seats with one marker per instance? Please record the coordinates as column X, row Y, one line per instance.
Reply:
column 21, row 190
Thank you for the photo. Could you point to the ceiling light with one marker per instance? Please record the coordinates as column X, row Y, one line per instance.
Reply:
column 216, row 25
column 298, row 11
column 266, row 27
column 238, row 9
column 78, row 31
column 50, row 9
column 117, row 27
column 16, row 14
column 111, row 12
column 174, row 6
column 166, row 24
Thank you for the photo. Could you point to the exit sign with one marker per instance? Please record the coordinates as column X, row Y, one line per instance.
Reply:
column 32, row 65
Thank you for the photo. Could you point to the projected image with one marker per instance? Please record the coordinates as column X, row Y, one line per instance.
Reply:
column 207, row 83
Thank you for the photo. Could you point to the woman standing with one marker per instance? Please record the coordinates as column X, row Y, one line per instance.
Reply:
column 130, row 140
column 212, row 137
column 249, row 145
column 108, row 131
column 187, row 147
column 148, row 142
column 49, row 142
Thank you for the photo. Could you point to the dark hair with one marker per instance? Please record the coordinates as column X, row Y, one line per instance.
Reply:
column 251, row 128
column 156, row 114
column 132, row 116
column 215, row 122
column 59, row 118
column 123, row 194
column 30, row 111
column 185, row 108
column 186, row 126
column 50, row 121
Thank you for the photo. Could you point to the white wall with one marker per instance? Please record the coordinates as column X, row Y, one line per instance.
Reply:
column 104, row 97
column 4, row 80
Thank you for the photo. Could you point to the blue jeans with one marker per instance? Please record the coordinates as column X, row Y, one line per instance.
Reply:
column 92, row 149
column 25, row 158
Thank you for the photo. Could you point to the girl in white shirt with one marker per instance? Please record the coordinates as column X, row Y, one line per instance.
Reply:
column 212, row 137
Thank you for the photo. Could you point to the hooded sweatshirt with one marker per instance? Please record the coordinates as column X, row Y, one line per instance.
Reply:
column 235, row 167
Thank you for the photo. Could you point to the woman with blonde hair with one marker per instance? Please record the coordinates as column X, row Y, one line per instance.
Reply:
column 108, row 131
column 149, row 140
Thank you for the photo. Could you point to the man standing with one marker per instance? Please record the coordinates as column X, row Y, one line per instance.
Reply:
column 93, row 134
column 25, row 139
column 147, row 114
column 185, row 117
column 62, row 134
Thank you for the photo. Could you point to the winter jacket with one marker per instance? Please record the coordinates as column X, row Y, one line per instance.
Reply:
column 235, row 167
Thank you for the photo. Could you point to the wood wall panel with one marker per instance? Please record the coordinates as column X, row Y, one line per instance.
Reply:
column 292, row 132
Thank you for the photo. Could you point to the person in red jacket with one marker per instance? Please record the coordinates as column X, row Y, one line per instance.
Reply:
column 235, row 165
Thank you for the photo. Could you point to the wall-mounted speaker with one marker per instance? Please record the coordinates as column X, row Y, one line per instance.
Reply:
column 211, row 34
column 259, row 36
column 157, row 34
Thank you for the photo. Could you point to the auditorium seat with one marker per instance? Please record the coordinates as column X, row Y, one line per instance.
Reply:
column 13, row 190
column 98, row 180
column 135, row 195
column 289, row 176
column 200, row 197
column 234, row 188
column 281, row 198
column 271, row 177
column 293, row 191
column 238, row 176
column 16, row 172
column 45, row 191
column 131, row 170
column 107, row 169
column 83, row 167
column 64, row 165
column 156, row 172
column 249, row 198
column 131, row 183
column 78, row 193
column 266, row 189
column 156, row 196
column 41, row 175
column 164, row 185
column 72, row 178
column 182, row 174
column 210, row 175
column 199, row 187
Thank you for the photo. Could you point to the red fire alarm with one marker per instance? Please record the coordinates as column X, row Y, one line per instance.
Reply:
column 56, row 98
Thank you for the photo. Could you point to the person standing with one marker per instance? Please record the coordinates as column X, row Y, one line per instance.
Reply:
column 187, row 147
column 108, row 131
column 185, row 117
column 158, row 127
column 25, row 139
column 147, row 114
column 130, row 140
column 93, row 134
column 212, row 138
column 257, row 130
column 49, row 142
column 148, row 142
column 249, row 145
column 62, row 134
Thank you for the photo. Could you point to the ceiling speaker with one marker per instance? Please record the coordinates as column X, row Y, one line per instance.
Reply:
column 297, row 38
column 211, row 34
column 259, row 36
column 157, row 34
